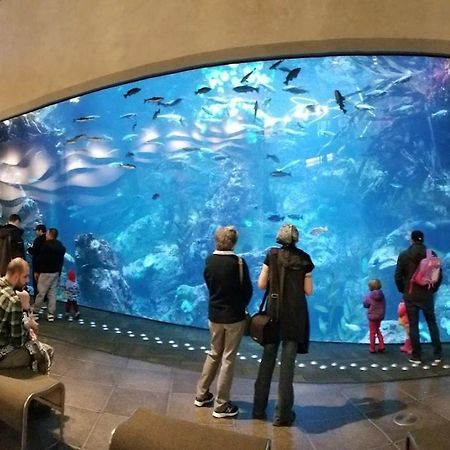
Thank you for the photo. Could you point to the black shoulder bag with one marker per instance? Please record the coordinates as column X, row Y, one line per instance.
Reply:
column 264, row 327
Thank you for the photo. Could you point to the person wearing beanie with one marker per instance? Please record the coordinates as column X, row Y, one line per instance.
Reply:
column 418, row 297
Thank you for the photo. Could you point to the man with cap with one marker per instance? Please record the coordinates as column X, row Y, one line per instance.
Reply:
column 418, row 297
column 34, row 251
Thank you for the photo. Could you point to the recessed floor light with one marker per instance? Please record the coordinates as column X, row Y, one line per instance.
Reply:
column 342, row 367
column 374, row 365
column 363, row 368
column 405, row 368
column 131, row 335
column 191, row 348
column 313, row 363
column 301, row 365
column 385, row 368
column 323, row 367
column 145, row 338
column 353, row 365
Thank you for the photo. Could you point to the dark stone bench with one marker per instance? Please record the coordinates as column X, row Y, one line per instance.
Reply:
column 18, row 388
column 145, row 430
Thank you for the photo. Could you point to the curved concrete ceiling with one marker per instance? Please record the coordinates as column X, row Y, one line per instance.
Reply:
column 53, row 50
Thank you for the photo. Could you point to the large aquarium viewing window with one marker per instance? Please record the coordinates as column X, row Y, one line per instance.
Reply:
column 353, row 150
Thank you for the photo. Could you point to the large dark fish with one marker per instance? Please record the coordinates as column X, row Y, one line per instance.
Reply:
column 156, row 114
column 127, row 166
column 132, row 91
column 280, row 173
column 292, row 74
column 171, row 103
column 274, row 66
column 255, row 108
column 274, row 158
column 247, row 76
column 295, row 90
column 275, row 218
column 340, row 100
column 128, row 116
column 203, row 90
column 245, row 89
column 75, row 139
column 155, row 99
column 85, row 118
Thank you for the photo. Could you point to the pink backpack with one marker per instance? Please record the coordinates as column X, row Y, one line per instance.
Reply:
column 427, row 273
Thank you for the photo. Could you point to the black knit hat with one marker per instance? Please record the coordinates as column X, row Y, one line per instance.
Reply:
column 417, row 236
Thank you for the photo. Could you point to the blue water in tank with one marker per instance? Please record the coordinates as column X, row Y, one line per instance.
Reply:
column 353, row 150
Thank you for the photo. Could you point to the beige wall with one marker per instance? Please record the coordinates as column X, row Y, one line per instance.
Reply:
column 51, row 49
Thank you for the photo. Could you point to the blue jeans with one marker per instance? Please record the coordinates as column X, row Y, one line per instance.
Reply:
column 412, row 310
column 285, row 402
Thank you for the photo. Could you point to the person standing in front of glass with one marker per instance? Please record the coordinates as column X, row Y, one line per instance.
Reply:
column 295, row 267
column 230, row 290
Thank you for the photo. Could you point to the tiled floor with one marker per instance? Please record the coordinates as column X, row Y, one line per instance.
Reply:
column 102, row 390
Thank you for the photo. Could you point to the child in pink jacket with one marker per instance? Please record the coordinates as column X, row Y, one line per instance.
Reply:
column 376, row 303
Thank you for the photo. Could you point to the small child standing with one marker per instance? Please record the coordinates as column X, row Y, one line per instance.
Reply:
column 72, row 292
column 375, row 301
column 404, row 322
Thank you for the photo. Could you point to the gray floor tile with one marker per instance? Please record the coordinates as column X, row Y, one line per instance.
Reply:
column 86, row 394
column 100, row 435
column 146, row 380
column 424, row 415
column 125, row 401
column 344, row 433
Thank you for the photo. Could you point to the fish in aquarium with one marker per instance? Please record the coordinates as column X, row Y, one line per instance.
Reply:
column 352, row 149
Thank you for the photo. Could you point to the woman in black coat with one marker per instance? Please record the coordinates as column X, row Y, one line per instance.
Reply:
column 292, row 323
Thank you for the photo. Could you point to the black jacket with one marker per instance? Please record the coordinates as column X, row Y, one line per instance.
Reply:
column 407, row 263
column 16, row 236
column 228, row 298
column 293, row 310
column 35, row 249
column 51, row 257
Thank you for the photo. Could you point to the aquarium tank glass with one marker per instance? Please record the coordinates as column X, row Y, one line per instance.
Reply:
column 353, row 150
